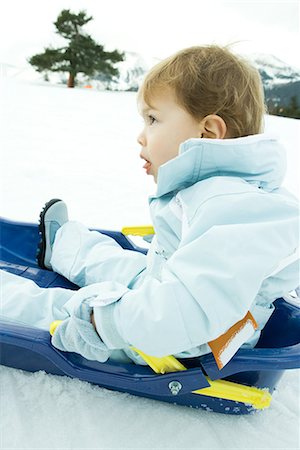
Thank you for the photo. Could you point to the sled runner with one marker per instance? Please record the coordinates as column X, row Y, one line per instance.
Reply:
column 243, row 385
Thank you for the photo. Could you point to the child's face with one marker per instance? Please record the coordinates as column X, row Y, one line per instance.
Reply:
column 166, row 126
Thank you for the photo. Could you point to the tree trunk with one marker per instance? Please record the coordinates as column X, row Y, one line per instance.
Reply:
column 71, row 80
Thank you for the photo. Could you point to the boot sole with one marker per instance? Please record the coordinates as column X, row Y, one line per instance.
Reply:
column 41, row 250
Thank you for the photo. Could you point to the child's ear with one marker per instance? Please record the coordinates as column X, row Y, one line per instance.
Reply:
column 213, row 127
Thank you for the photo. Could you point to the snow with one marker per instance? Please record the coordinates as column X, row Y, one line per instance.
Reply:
column 278, row 71
column 80, row 145
column 268, row 60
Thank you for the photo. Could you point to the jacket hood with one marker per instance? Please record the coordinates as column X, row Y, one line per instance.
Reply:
column 258, row 159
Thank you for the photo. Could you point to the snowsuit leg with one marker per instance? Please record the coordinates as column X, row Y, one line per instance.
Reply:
column 23, row 301
column 86, row 257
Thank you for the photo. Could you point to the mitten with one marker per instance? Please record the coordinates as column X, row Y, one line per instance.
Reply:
column 77, row 334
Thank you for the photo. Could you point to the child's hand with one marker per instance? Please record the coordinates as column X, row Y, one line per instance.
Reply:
column 75, row 334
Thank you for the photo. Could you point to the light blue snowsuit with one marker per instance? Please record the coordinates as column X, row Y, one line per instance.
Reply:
column 226, row 242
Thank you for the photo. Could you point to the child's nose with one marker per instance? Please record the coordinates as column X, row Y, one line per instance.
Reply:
column 141, row 139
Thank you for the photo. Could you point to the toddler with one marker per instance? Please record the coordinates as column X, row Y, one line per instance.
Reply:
column 226, row 233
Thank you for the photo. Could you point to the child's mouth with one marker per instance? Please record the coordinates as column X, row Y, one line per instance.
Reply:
column 147, row 167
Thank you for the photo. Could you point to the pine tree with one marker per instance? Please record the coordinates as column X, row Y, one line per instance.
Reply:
column 81, row 55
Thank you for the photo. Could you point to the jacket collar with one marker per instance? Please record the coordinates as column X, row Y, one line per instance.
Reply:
column 258, row 159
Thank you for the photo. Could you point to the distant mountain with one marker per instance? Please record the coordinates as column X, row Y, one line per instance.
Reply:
column 132, row 71
column 281, row 81
column 26, row 73
column 273, row 70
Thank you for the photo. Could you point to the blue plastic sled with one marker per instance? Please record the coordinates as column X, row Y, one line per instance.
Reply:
column 30, row 349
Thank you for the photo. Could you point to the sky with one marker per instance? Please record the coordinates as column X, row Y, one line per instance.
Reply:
column 156, row 28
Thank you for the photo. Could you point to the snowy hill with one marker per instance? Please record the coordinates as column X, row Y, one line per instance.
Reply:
column 24, row 73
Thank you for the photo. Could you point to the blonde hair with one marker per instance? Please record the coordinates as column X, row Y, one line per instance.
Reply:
column 211, row 80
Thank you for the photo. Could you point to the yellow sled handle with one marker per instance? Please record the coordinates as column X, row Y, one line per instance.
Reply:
column 53, row 326
column 228, row 390
column 143, row 230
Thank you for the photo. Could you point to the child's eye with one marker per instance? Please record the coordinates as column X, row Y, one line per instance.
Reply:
column 151, row 119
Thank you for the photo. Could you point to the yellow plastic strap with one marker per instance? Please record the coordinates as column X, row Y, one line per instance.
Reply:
column 228, row 390
column 143, row 230
column 53, row 326
column 161, row 365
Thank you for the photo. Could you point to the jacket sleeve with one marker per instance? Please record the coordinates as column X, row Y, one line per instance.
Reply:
column 207, row 285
